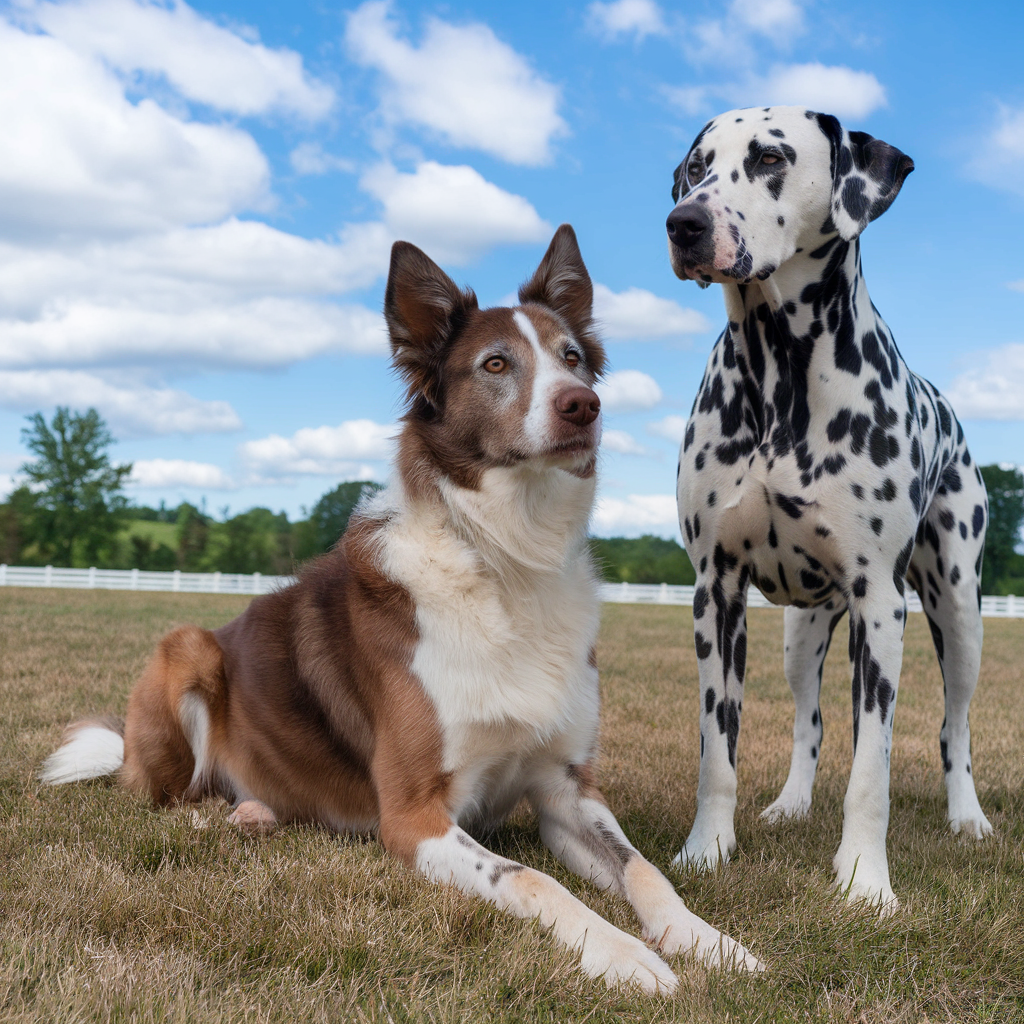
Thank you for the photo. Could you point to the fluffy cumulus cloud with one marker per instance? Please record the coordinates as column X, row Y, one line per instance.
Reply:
column 78, row 158
column 993, row 390
column 461, row 83
column 628, row 391
column 636, row 18
column 162, row 474
column 132, row 409
column 780, row 20
column 622, row 443
column 339, row 451
column 123, row 247
column 837, row 90
column 202, row 61
column 999, row 153
column 452, row 211
column 637, row 313
column 671, row 428
column 738, row 43
column 635, row 515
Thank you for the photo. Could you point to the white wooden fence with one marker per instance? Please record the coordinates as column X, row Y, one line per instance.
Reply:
column 238, row 583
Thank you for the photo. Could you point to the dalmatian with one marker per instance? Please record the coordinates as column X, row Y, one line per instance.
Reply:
column 816, row 466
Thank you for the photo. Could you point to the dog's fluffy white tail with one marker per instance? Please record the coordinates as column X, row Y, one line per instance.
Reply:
column 90, row 751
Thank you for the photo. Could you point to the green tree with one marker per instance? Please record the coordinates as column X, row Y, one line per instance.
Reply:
column 78, row 504
column 646, row 559
column 1005, row 517
column 193, row 529
column 331, row 513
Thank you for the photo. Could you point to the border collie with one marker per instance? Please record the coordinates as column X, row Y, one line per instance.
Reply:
column 438, row 665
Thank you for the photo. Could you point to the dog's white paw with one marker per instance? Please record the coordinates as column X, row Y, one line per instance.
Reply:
column 253, row 816
column 787, row 807
column 691, row 936
column 706, row 849
column 864, row 878
column 622, row 960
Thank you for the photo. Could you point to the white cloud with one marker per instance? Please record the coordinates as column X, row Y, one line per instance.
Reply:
column 835, row 89
column 255, row 333
column 201, row 60
column 1017, row 286
column 671, row 428
column 453, row 212
column 780, row 20
column 999, row 153
column 461, row 82
column 993, row 391
column 639, row 18
column 321, row 451
column 76, row 157
column 169, row 473
column 628, row 391
column 635, row 515
column 129, row 409
column 622, row 443
column 310, row 158
column 637, row 313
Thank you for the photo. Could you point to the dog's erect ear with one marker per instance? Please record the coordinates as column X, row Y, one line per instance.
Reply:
column 562, row 283
column 867, row 175
column 424, row 308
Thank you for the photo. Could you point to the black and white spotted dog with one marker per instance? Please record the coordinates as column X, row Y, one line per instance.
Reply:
column 817, row 467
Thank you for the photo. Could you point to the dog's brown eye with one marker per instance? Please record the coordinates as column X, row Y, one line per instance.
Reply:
column 770, row 158
column 572, row 359
column 495, row 364
column 694, row 173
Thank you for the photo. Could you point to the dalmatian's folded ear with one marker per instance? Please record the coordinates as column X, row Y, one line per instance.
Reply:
column 867, row 175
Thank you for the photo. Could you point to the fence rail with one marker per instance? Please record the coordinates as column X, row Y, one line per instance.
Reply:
column 1008, row 607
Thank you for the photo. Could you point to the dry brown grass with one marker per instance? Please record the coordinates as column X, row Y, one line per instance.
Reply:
column 112, row 911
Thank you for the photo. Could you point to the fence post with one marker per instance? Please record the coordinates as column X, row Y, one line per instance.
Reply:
column 92, row 577
column 176, row 583
column 3, row 574
column 1011, row 606
column 48, row 575
column 255, row 582
column 663, row 594
column 135, row 579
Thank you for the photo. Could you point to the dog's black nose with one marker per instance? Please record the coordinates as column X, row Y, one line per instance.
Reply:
column 687, row 225
column 578, row 405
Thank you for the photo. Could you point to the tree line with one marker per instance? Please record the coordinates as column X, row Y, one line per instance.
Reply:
column 71, row 510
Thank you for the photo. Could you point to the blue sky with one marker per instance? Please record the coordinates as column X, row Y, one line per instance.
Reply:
column 197, row 203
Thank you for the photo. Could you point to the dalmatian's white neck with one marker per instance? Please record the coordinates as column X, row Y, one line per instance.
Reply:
column 788, row 284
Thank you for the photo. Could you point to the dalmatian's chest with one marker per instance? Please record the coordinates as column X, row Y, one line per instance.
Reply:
column 778, row 476
column 757, row 513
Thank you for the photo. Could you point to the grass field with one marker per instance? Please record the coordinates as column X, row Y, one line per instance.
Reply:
column 112, row 911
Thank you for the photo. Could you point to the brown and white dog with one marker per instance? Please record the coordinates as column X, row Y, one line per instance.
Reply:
column 438, row 665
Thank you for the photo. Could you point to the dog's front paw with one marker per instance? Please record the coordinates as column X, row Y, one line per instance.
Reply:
column 706, row 848
column 976, row 825
column 787, row 807
column 863, row 878
column 688, row 934
column 622, row 960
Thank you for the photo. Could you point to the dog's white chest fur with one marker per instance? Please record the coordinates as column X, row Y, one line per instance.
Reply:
column 503, row 650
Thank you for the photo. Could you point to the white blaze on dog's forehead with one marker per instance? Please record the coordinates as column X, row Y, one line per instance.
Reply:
column 547, row 374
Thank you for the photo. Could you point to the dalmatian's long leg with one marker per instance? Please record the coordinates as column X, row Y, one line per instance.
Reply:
column 808, row 633
column 945, row 571
column 720, row 637
column 877, row 616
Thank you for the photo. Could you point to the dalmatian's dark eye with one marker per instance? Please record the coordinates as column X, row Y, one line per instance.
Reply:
column 770, row 158
column 695, row 171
